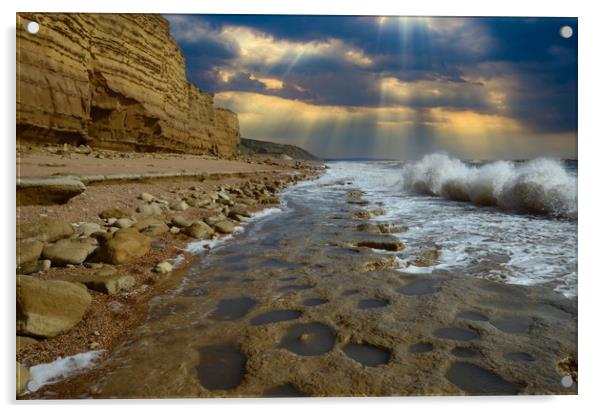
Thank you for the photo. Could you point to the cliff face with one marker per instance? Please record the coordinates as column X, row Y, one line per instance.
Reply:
column 113, row 81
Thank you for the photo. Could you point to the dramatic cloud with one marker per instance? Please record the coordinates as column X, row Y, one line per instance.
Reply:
column 391, row 86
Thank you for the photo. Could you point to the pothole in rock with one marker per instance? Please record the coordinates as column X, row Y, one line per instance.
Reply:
column 288, row 278
column 284, row 390
column 372, row 303
column 519, row 357
column 477, row 380
column 233, row 308
column 245, row 280
column 194, row 292
column 464, row 352
column 472, row 315
column 275, row 317
column 314, row 302
column 455, row 333
column 309, row 339
column 421, row 348
column 512, row 325
column 367, row 355
column 347, row 293
column 420, row 287
column 295, row 287
column 221, row 367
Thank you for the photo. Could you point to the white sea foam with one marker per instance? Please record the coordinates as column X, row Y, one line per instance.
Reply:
column 539, row 186
column 203, row 245
column 60, row 369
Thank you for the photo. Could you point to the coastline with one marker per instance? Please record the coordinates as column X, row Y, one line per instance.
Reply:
column 431, row 334
column 111, row 316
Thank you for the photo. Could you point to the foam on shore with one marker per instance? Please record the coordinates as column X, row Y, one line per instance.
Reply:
column 61, row 369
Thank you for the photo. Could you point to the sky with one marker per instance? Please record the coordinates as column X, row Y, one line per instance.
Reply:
column 391, row 87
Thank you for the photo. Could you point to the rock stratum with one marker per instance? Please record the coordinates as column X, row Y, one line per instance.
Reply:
column 114, row 81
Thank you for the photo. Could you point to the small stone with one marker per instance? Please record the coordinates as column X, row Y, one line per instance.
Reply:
column 164, row 267
column 224, row 227
column 94, row 345
column 179, row 206
column 174, row 230
column 145, row 196
column 96, row 333
column 124, row 223
column 304, row 337
column 111, row 221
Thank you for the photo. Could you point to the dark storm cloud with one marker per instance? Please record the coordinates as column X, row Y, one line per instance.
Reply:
column 439, row 54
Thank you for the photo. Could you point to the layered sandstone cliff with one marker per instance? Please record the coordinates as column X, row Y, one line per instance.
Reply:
column 113, row 81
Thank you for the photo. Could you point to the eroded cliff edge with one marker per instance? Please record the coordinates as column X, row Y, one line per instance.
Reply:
column 114, row 81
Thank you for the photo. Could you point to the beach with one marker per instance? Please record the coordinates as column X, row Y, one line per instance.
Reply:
column 316, row 298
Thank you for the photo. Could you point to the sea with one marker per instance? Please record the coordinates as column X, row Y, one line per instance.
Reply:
column 514, row 221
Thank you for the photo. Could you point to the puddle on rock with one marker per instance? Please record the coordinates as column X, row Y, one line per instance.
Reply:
column 367, row 355
column 223, row 278
column 463, row 352
column 233, row 308
column 350, row 292
column 421, row 348
column 313, row 302
column 519, row 356
column 372, row 303
column 477, row 380
column 472, row 315
column 284, row 390
column 420, row 287
column 455, row 333
column 275, row 317
column 295, row 287
column 288, row 278
column 310, row 339
column 221, row 367
column 512, row 325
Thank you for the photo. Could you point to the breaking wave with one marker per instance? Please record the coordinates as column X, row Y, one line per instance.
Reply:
column 539, row 186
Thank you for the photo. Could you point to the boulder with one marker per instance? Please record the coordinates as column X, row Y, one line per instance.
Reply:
column 125, row 246
column 69, row 251
column 199, row 230
column 150, row 209
column 155, row 229
column 49, row 308
column 24, row 341
column 214, row 219
column 23, row 377
column 48, row 191
column 114, row 213
column 124, row 223
column 28, row 250
column 47, row 230
column 106, row 284
column 240, row 209
column 101, row 236
column 88, row 228
column 384, row 244
column 180, row 222
column 224, row 227
column 179, row 206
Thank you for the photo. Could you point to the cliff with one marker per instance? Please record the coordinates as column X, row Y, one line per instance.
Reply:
column 252, row 146
column 114, row 81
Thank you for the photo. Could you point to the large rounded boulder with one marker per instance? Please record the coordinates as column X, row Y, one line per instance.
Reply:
column 49, row 308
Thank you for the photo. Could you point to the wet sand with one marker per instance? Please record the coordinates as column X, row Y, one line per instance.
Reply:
column 295, row 307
